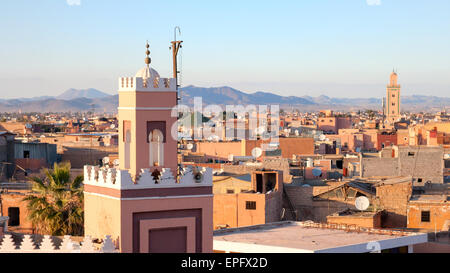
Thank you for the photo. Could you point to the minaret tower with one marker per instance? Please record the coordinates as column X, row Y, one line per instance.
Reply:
column 392, row 99
column 143, row 204
column 145, row 121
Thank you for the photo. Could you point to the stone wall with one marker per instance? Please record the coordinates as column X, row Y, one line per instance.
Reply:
column 376, row 166
column 393, row 198
column 308, row 209
column 424, row 163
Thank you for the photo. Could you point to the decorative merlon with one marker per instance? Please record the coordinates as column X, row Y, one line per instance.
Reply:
column 121, row 179
column 28, row 245
column 150, row 84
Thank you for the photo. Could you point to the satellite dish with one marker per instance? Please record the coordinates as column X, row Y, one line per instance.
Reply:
column 230, row 157
column 256, row 152
column 198, row 177
column 116, row 162
column 317, row 172
column 105, row 160
column 189, row 146
column 296, row 132
column 362, row 203
column 322, row 137
column 112, row 126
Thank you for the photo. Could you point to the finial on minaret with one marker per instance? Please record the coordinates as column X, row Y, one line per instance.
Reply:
column 147, row 52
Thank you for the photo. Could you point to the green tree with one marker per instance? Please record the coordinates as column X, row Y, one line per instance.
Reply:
column 56, row 204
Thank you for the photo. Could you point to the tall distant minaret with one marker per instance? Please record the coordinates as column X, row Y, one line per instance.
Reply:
column 392, row 107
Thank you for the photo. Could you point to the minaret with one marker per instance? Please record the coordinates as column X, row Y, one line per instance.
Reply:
column 144, row 205
column 145, row 121
column 393, row 99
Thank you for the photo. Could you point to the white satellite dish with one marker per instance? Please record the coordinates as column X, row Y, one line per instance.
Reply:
column 189, row 146
column 260, row 130
column 256, row 152
column 296, row 132
column 116, row 162
column 362, row 203
column 112, row 126
column 105, row 160
column 317, row 172
column 322, row 137
column 230, row 157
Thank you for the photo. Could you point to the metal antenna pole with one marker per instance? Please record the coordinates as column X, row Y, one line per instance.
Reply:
column 176, row 45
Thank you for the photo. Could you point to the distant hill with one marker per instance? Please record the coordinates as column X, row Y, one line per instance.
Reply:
column 90, row 93
column 91, row 99
column 227, row 95
column 104, row 104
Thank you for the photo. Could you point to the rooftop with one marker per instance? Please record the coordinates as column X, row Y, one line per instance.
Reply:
column 310, row 237
column 430, row 198
column 355, row 213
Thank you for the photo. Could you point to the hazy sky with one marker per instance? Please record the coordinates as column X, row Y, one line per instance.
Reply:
column 304, row 47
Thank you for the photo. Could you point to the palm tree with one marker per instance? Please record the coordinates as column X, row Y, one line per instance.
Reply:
column 56, row 205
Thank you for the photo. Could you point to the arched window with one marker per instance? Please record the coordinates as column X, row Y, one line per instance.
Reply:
column 156, row 148
column 127, row 148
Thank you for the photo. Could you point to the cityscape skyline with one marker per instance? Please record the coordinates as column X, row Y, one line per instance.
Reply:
column 306, row 54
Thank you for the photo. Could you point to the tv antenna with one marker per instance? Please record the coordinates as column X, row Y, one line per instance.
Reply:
column 176, row 45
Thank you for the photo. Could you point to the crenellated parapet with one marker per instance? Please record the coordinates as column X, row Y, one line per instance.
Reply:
column 155, row 84
column 47, row 245
column 122, row 180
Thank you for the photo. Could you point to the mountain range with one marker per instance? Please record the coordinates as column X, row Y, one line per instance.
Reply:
column 83, row 100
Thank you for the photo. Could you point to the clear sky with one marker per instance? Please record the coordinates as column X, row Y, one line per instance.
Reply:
column 304, row 47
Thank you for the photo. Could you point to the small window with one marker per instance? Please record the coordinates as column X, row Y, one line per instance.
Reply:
column 351, row 193
column 425, row 216
column 250, row 205
column 14, row 216
column 26, row 154
column 419, row 180
column 230, row 191
column 393, row 104
column 411, row 154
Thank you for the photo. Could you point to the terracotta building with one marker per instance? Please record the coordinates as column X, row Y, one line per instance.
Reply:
column 261, row 204
column 333, row 124
column 286, row 148
column 429, row 212
column 13, row 206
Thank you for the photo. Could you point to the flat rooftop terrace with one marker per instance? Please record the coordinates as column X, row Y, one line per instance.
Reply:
column 302, row 237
